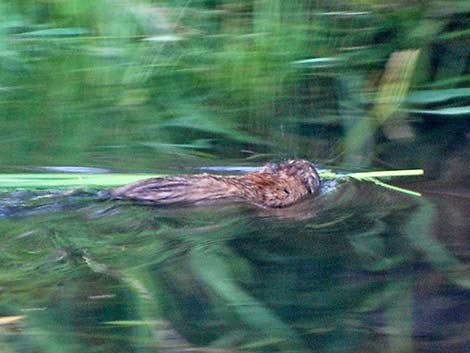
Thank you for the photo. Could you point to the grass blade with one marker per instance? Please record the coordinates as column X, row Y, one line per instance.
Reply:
column 71, row 180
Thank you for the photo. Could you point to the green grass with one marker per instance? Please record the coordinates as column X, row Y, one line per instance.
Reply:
column 204, row 79
column 71, row 180
column 68, row 180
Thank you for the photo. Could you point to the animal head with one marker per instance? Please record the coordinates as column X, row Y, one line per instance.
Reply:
column 299, row 168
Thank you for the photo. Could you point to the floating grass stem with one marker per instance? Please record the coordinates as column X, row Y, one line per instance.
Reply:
column 372, row 177
column 74, row 180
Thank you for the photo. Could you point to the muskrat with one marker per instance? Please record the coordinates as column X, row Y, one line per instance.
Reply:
column 274, row 185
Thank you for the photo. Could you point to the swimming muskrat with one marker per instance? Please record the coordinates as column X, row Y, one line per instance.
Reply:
column 274, row 185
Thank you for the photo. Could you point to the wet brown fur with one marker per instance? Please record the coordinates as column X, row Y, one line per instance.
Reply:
column 275, row 185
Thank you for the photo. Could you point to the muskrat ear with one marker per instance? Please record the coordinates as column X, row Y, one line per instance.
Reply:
column 270, row 168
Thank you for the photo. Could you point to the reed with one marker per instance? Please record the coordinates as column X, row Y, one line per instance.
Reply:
column 74, row 180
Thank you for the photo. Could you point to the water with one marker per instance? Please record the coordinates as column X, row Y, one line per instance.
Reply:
column 357, row 269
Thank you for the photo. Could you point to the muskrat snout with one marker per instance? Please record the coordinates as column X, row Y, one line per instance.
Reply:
column 312, row 178
column 305, row 171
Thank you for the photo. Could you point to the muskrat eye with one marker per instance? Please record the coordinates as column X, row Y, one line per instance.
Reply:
column 286, row 191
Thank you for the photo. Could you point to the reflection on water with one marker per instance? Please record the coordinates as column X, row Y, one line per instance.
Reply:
column 357, row 269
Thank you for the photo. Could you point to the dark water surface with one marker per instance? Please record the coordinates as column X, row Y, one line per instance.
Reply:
column 357, row 269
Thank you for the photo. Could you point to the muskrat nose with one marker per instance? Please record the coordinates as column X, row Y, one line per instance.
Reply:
column 306, row 172
column 313, row 182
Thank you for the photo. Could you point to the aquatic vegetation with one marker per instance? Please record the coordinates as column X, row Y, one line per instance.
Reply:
column 69, row 180
column 203, row 79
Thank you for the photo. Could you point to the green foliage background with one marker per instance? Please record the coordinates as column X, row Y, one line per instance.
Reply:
column 141, row 85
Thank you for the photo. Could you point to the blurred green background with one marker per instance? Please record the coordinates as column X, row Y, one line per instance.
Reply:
column 140, row 86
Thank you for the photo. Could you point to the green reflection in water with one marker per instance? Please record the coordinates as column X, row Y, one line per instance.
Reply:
column 107, row 276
